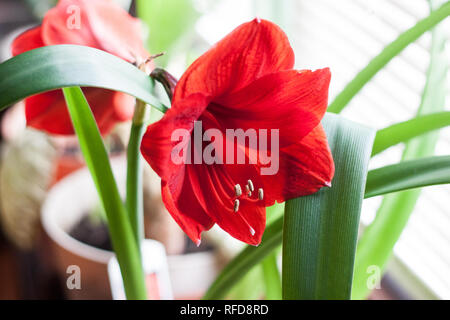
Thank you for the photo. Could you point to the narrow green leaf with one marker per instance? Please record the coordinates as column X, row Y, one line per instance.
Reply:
column 272, row 278
column 61, row 66
column 320, row 230
column 407, row 175
column 270, row 274
column 250, row 287
column 97, row 160
column 378, row 240
column 404, row 131
column 388, row 53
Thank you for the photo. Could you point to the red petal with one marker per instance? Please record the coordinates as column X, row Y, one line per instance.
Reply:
column 123, row 107
column 157, row 145
column 60, row 24
column 29, row 40
column 116, row 31
column 252, row 50
column 304, row 168
column 183, row 206
column 246, row 225
column 213, row 186
column 291, row 101
column 48, row 111
column 102, row 24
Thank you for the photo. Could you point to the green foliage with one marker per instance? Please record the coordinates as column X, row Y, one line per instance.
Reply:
column 429, row 171
column 378, row 240
column 408, row 175
column 271, row 277
column 61, row 66
column 320, row 230
column 97, row 160
column 404, row 131
column 244, row 262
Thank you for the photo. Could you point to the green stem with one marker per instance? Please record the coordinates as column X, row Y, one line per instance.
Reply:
column 97, row 160
column 134, row 197
column 388, row 53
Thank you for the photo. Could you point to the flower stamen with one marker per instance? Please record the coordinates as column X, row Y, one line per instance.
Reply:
column 260, row 194
column 247, row 189
column 238, row 190
column 250, row 185
column 236, row 205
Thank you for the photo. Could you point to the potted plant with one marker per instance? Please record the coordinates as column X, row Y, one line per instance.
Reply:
column 283, row 146
column 77, row 235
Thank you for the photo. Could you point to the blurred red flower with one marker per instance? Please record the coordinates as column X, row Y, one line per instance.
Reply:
column 245, row 81
column 100, row 24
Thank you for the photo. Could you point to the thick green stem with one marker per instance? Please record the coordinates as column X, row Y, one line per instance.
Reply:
column 97, row 160
column 134, row 198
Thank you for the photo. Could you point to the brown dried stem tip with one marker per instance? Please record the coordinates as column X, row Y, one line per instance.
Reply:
column 168, row 81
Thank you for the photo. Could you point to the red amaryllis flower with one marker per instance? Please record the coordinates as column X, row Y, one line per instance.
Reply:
column 245, row 81
column 100, row 24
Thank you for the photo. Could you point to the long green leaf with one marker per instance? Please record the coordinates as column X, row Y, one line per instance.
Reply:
column 388, row 53
column 320, row 230
column 402, row 176
column 54, row 67
column 97, row 160
column 270, row 274
column 404, row 131
column 407, row 175
column 378, row 240
column 250, row 287
column 272, row 278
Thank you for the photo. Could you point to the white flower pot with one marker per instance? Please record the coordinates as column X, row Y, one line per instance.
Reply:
column 72, row 198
